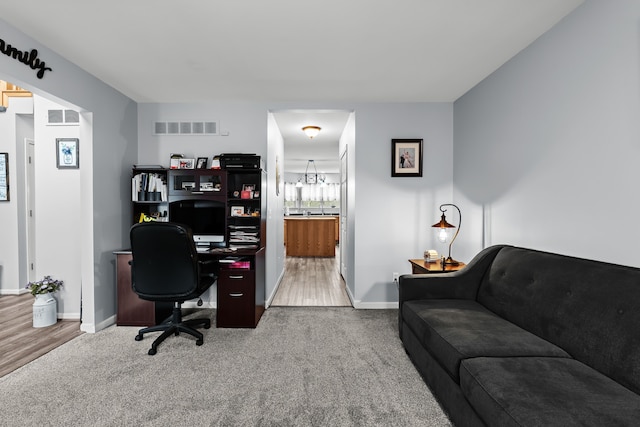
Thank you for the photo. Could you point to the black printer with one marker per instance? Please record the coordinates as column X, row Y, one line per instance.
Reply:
column 239, row 161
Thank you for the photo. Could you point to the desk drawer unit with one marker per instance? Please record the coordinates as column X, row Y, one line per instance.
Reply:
column 236, row 299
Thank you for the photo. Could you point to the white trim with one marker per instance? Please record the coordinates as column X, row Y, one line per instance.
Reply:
column 374, row 305
column 88, row 327
column 13, row 291
column 69, row 316
column 92, row 328
column 269, row 300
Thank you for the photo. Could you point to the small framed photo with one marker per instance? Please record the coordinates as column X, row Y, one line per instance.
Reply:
column 237, row 210
column 406, row 157
column 215, row 162
column 248, row 187
column 202, row 163
column 187, row 164
column 67, row 153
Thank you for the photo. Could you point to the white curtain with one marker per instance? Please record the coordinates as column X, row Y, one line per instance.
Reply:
column 312, row 192
column 290, row 191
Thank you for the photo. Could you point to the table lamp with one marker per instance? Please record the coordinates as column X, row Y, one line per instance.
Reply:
column 443, row 230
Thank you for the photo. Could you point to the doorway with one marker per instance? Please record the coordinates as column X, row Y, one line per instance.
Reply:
column 42, row 244
column 311, row 180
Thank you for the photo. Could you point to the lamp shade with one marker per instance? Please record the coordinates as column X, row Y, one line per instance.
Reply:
column 443, row 223
column 311, row 131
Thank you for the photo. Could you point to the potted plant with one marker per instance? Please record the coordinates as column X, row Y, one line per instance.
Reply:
column 45, row 312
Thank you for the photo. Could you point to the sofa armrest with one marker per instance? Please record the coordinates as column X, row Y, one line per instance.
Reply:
column 461, row 284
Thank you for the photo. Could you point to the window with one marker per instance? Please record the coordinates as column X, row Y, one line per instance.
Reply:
column 311, row 195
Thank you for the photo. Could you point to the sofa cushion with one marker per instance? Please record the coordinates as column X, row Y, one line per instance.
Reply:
column 452, row 330
column 588, row 308
column 545, row 391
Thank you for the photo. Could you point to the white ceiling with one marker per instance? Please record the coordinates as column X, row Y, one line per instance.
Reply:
column 322, row 149
column 288, row 50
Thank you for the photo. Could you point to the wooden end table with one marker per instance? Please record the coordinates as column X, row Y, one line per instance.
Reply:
column 420, row 266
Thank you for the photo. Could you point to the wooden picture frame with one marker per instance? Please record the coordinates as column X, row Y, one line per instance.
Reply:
column 4, row 177
column 67, row 153
column 406, row 157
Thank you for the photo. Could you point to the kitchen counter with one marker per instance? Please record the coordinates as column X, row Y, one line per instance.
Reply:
column 308, row 236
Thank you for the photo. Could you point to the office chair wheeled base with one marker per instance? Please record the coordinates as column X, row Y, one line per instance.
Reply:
column 174, row 325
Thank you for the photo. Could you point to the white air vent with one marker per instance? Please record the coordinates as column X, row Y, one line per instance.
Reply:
column 63, row 118
column 160, row 128
column 185, row 128
column 71, row 116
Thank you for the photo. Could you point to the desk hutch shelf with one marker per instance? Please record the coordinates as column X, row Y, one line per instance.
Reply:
column 241, row 273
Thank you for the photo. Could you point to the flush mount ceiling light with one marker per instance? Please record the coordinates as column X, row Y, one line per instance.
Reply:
column 311, row 131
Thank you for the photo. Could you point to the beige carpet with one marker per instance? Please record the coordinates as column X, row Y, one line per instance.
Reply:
column 300, row 367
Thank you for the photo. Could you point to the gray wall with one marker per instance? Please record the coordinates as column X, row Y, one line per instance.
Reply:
column 389, row 218
column 552, row 135
column 110, row 122
column 546, row 149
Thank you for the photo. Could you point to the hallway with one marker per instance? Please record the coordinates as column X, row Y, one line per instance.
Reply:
column 312, row 281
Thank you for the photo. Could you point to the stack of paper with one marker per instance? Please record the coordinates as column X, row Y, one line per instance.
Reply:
column 244, row 236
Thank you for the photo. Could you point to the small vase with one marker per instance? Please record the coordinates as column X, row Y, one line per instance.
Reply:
column 45, row 311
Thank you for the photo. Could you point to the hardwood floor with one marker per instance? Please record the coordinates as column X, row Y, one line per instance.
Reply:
column 311, row 281
column 20, row 342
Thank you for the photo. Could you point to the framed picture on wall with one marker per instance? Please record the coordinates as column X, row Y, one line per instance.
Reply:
column 406, row 157
column 4, row 177
column 67, row 153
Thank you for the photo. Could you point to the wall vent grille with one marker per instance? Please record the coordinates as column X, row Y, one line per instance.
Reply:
column 185, row 128
column 63, row 118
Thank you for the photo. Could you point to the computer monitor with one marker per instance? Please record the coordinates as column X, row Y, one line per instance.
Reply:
column 206, row 218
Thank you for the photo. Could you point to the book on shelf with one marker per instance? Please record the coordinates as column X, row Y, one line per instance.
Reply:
column 144, row 183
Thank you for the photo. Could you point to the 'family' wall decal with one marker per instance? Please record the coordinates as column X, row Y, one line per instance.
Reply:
column 29, row 58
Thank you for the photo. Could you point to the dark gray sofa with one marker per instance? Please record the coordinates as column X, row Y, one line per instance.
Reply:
column 527, row 338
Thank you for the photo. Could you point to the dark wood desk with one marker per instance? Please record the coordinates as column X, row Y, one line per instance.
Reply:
column 240, row 292
column 132, row 310
column 420, row 266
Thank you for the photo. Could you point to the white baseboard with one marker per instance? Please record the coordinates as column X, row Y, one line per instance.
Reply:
column 267, row 303
column 92, row 328
column 69, row 316
column 110, row 321
column 13, row 291
column 375, row 305
column 88, row 327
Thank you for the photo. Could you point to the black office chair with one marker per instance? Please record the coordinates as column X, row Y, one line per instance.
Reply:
column 165, row 268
